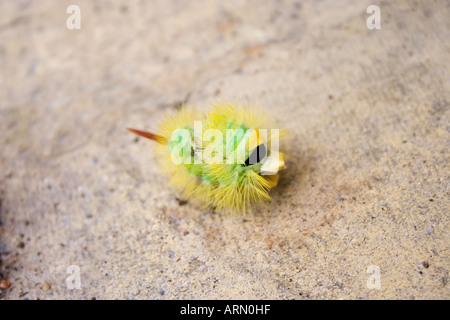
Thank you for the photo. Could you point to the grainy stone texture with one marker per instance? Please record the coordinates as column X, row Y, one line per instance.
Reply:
column 367, row 181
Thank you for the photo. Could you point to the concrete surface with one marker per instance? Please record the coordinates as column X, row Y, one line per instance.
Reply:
column 367, row 180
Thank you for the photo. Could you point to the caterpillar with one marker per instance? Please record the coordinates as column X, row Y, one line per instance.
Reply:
column 225, row 157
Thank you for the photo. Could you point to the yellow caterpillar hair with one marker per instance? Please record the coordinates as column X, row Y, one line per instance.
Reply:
column 225, row 158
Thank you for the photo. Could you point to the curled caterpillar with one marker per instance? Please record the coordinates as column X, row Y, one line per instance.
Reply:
column 225, row 158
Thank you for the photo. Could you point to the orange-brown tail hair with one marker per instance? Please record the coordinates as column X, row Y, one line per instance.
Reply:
column 149, row 135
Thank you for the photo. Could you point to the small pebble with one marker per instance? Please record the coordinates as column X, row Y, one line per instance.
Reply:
column 4, row 284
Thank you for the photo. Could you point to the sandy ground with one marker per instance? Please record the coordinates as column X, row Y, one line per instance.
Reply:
column 366, row 187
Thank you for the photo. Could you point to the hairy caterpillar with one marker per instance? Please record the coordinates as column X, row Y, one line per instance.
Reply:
column 225, row 157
